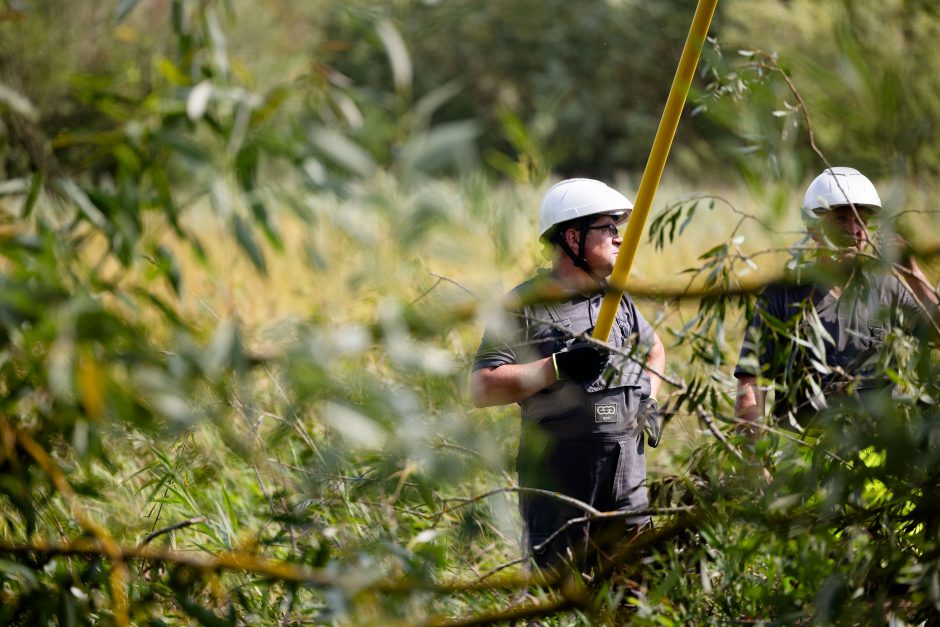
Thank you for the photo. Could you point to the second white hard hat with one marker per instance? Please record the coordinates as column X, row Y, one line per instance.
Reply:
column 838, row 187
column 578, row 198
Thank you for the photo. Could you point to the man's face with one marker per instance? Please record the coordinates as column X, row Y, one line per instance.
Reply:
column 601, row 245
column 845, row 229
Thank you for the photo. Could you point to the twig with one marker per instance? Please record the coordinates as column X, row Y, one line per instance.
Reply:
column 574, row 593
column 465, row 502
column 661, row 511
column 441, row 278
column 426, row 292
column 929, row 311
column 710, row 423
column 698, row 197
column 770, row 429
column 180, row 525
column 501, row 567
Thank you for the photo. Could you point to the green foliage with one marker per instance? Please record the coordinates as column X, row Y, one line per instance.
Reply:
column 871, row 59
column 587, row 81
column 170, row 462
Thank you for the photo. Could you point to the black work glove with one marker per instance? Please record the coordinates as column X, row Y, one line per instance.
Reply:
column 652, row 419
column 581, row 362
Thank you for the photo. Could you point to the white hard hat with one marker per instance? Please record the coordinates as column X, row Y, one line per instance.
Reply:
column 578, row 198
column 837, row 187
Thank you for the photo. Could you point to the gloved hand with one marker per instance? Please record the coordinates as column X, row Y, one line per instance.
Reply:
column 652, row 419
column 581, row 362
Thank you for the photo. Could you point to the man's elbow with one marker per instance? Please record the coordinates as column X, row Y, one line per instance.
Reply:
column 479, row 389
column 657, row 354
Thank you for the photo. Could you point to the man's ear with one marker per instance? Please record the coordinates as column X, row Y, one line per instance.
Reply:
column 571, row 237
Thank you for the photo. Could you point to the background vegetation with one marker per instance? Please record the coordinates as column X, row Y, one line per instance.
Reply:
column 248, row 249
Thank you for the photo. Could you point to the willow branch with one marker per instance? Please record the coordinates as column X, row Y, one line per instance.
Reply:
column 265, row 567
column 119, row 574
column 710, row 423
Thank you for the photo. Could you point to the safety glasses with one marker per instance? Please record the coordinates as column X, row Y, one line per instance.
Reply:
column 610, row 228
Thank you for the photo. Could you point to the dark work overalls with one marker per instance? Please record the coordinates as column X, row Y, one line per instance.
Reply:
column 582, row 440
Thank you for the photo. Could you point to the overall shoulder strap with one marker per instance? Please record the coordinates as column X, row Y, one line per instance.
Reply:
column 554, row 312
column 876, row 309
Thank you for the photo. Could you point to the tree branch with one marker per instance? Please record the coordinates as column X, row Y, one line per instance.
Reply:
column 180, row 525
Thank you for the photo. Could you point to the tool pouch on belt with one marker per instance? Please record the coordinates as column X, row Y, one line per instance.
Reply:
column 569, row 411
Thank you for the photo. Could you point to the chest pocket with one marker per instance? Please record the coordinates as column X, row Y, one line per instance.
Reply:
column 872, row 330
column 565, row 324
column 877, row 329
column 873, row 333
column 624, row 325
column 625, row 371
column 547, row 338
column 860, row 333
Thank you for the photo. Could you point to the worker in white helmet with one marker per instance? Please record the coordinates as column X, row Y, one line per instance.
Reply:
column 584, row 408
column 841, row 305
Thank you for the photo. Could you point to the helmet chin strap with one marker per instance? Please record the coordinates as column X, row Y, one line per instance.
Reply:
column 578, row 259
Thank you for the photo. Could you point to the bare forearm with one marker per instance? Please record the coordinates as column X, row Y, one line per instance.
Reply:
column 921, row 286
column 510, row 383
column 749, row 402
column 656, row 362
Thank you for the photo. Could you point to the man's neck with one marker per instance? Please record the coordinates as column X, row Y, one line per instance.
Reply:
column 836, row 272
column 576, row 280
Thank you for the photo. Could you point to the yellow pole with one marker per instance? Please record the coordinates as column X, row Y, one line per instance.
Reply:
column 655, row 165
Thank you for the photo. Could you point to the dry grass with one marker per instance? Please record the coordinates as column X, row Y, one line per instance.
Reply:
column 376, row 247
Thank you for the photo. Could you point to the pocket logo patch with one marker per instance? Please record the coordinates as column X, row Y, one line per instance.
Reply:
column 605, row 413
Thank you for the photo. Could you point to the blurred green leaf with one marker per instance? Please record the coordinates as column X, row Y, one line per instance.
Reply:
column 397, row 53
column 246, row 239
column 124, row 8
column 445, row 145
column 17, row 102
column 356, row 428
column 342, row 151
column 35, row 187
column 224, row 349
column 85, row 206
column 21, row 573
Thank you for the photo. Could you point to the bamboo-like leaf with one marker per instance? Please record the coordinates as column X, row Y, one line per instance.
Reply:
column 169, row 268
column 246, row 239
column 355, row 427
column 342, row 151
column 397, row 52
column 35, row 186
column 18, row 103
column 85, row 206
column 198, row 100
column 224, row 349
column 23, row 573
column 450, row 144
column 434, row 100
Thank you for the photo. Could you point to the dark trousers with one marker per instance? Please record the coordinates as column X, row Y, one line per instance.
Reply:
column 607, row 473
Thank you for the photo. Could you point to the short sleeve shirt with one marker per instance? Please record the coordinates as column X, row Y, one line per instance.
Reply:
column 533, row 332
column 850, row 328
